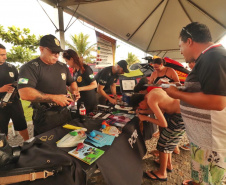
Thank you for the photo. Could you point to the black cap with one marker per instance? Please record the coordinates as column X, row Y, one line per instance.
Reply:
column 123, row 64
column 51, row 42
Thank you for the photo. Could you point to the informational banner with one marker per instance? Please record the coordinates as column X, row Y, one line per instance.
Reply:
column 105, row 50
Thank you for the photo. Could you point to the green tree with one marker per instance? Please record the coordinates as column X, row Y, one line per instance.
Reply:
column 24, row 44
column 132, row 59
column 20, row 54
column 83, row 48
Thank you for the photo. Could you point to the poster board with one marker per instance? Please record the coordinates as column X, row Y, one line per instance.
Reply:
column 105, row 50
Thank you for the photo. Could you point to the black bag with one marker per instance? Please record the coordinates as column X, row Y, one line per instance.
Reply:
column 36, row 156
column 8, row 154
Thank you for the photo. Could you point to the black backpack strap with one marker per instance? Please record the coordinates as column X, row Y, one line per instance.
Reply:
column 28, row 174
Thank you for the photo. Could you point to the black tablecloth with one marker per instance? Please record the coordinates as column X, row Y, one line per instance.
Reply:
column 121, row 163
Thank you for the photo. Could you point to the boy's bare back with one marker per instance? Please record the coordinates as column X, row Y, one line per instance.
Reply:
column 160, row 98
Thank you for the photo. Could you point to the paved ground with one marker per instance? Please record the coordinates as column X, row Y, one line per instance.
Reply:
column 181, row 163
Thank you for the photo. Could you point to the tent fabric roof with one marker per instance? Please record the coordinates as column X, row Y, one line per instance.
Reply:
column 150, row 25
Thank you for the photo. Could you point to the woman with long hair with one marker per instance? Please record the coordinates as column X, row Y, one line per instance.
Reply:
column 163, row 74
column 84, row 77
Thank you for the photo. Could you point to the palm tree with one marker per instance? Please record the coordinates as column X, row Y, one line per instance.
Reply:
column 82, row 47
column 132, row 59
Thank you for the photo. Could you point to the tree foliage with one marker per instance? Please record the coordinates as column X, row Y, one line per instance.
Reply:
column 83, row 48
column 24, row 44
column 20, row 54
column 132, row 59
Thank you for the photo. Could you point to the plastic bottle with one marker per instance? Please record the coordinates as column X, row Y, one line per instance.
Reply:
column 82, row 112
column 8, row 98
column 73, row 109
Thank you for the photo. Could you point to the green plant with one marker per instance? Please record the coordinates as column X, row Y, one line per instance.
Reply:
column 132, row 59
column 24, row 44
column 83, row 47
column 28, row 111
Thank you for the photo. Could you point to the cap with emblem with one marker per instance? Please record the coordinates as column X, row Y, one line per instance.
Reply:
column 123, row 64
column 51, row 42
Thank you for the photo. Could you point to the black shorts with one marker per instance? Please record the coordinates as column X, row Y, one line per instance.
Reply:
column 15, row 112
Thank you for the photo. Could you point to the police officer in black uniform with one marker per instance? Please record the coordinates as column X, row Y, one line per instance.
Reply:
column 84, row 77
column 107, row 78
column 11, row 109
column 44, row 82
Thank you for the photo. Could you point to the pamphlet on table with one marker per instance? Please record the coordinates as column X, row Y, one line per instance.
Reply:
column 87, row 153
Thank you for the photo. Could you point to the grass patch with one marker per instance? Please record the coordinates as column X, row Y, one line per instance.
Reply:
column 28, row 111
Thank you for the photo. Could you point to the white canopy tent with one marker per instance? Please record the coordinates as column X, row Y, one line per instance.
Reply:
column 150, row 25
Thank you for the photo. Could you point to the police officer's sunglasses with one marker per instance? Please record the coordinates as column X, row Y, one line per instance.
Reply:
column 53, row 52
column 188, row 33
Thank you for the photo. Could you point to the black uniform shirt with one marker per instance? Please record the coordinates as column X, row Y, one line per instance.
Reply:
column 209, row 73
column 50, row 79
column 89, row 96
column 106, row 78
column 8, row 75
column 84, row 79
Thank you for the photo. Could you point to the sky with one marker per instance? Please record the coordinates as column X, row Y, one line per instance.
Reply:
column 29, row 14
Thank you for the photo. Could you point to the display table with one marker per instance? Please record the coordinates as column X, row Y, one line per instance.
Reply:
column 121, row 163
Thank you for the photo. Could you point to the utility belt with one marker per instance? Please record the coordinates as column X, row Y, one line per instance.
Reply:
column 47, row 106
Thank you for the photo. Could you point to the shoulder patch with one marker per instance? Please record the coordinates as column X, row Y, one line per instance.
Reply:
column 11, row 74
column 9, row 65
column 91, row 76
column 63, row 76
column 103, row 81
column 35, row 63
column 79, row 79
column 23, row 81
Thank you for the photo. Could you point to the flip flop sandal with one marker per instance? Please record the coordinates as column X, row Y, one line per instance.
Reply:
column 187, row 182
column 177, row 151
column 156, row 134
column 156, row 177
column 185, row 147
column 167, row 169
column 155, row 153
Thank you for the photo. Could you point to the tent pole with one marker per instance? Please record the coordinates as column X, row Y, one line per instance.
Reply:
column 61, row 27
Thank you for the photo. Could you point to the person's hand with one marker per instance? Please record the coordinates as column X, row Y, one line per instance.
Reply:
column 163, row 81
column 117, row 97
column 76, row 95
column 178, row 84
column 142, row 117
column 140, row 111
column 112, row 101
column 171, row 91
column 137, row 111
column 61, row 100
column 6, row 88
